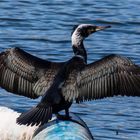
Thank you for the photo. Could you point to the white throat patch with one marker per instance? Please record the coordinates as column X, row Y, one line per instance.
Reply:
column 76, row 38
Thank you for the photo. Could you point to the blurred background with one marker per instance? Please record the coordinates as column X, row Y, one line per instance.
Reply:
column 43, row 28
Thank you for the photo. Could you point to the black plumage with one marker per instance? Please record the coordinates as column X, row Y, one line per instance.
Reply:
column 110, row 76
column 25, row 74
column 62, row 83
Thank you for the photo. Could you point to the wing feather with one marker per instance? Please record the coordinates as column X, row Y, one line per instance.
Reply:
column 110, row 76
column 115, row 75
column 21, row 71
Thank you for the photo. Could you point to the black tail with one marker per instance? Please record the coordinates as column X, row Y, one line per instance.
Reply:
column 37, row 115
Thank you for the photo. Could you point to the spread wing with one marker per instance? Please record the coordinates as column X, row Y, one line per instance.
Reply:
column 25, row 74
column 112, row 75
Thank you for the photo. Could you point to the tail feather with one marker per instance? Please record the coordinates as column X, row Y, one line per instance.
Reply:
column 35, row 116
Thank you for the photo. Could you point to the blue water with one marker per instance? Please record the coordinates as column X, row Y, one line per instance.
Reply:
column 43, row 28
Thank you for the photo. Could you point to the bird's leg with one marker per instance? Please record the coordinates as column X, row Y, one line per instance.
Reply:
column 67, row 113
column 64, row 117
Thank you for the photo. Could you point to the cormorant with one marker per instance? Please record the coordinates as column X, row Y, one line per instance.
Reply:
column 73, row 80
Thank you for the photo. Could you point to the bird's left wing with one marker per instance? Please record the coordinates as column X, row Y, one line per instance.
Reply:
column 110, row 76
column 24, row 74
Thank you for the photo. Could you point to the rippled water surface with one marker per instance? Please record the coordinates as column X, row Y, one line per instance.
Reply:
column 43, row 28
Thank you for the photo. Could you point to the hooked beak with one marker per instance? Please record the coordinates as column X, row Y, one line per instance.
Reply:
column 98, row 28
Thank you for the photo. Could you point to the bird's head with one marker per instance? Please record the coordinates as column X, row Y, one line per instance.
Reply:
column 82, row 31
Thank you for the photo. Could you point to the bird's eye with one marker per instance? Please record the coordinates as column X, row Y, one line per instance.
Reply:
column 89, row 31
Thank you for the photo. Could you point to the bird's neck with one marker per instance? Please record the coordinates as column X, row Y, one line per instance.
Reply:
column 78, row 46
column 80, row 50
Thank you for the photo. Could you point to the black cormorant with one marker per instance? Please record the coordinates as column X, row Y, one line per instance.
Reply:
column 73, row 80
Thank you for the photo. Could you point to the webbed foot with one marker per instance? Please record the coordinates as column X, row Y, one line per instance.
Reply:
column 63, row 117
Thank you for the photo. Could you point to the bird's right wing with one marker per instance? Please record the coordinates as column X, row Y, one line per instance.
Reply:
column 25, row 74
column 110, row 76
